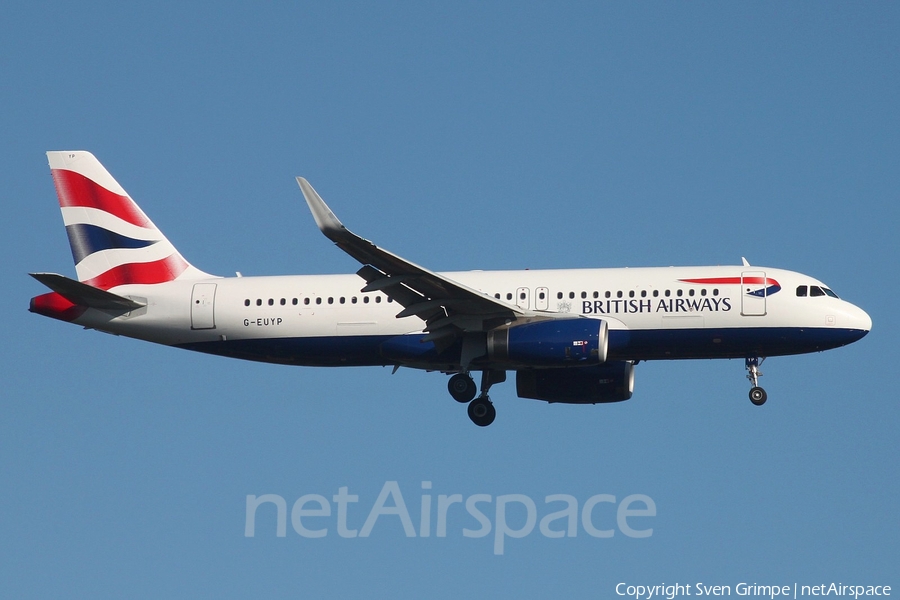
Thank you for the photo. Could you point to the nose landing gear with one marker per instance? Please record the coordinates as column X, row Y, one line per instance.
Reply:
column 757, row 394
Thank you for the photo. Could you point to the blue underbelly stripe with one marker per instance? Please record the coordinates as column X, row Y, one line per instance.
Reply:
column 655, row 344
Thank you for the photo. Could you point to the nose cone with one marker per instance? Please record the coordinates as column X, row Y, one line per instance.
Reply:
column 858, row 321
column 865, row 321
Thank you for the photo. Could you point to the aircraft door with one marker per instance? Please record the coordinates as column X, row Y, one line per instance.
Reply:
column 203, row 306
column 753, row 293
column 541, row 298
column 523, row 299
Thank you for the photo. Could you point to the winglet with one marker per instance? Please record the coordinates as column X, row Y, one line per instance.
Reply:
column 329, row 224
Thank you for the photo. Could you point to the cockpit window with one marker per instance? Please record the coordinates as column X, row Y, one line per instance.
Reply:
column 815, row 291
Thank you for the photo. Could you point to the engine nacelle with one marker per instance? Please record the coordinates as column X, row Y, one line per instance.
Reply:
column 551, row 343
column 612, row 382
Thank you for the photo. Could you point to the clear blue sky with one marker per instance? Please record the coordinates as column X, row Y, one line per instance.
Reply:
column 461, row 136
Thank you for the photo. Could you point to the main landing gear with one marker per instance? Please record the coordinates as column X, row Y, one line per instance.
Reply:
column 481, row 410
column 461, row 387
column 757, row 394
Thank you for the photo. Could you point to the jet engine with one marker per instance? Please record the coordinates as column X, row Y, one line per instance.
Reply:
column 550, row 343
column 610, row 382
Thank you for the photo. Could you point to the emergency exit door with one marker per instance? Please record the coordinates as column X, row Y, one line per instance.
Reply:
column 523, row 298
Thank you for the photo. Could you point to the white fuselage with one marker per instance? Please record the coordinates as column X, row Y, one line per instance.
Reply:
column 652, row 313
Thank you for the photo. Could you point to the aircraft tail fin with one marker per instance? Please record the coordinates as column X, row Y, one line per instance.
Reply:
column 113, row 242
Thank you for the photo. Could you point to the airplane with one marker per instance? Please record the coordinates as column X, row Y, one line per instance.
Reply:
column 570, row 335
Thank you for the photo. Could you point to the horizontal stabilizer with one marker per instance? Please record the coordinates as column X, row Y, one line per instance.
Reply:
column 85, row 295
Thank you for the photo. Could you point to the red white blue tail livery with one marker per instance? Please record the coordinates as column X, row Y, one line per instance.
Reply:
column 112, row 240
column 568, row 335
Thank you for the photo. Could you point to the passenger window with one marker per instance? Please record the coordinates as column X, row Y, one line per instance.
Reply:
column 318, row 301
column 341, row 300
column 618, row 294
column 559, row 295
column 377, row 299
column 259, row 301
column 247, row 302
column 678, row 293
column 596, row 294
column 656, row 293
column 715, row 291
column 703, row 292
column 542, row 295
column 643, row 293
column 330, row 300
column 631, row 294
column 497, row 296
column 691, row 292
column 583, row 295
column 283, row 301
column 801, row 291
column 608, row 294
column 571, row 295
column 294, row 302
column 509, row 296
column 668, row 293
column 306, row 301
column 390, row 299
column 522, row 296
column 353, row 300
column 271, row 302
column 365, row 299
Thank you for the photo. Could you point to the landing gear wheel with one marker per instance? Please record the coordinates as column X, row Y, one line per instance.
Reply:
column 482, row 411
column 461, row 387
column 757, row 396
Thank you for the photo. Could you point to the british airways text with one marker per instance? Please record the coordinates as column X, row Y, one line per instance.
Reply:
column 666, row 305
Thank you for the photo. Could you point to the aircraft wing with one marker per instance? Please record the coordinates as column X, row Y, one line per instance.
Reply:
column 447, row 306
